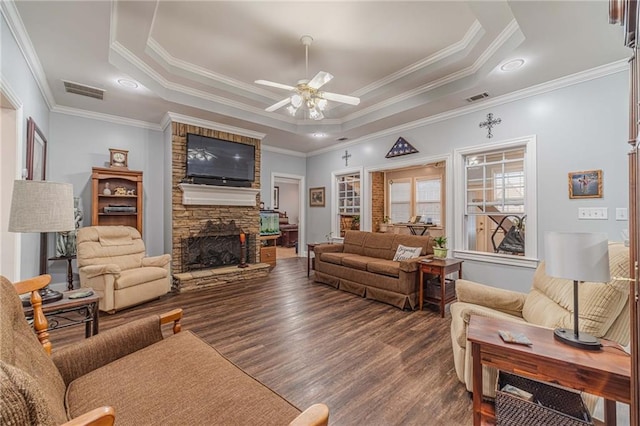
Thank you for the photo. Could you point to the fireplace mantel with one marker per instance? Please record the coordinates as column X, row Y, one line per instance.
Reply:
column 211, row 195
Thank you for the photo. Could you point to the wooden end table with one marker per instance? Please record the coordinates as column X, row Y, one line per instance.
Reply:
column 442, row 268
column 69, row 269
column 67, row 312
column 605, row 373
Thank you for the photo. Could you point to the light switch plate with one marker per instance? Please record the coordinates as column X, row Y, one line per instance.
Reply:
column 621, row 213
column 593, row 213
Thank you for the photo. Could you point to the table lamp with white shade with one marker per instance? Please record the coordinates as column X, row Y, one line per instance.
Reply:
column 578, row 256
column 41, row 206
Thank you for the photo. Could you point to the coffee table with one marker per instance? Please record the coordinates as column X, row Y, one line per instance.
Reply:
column 67, row 312
column 605, row 373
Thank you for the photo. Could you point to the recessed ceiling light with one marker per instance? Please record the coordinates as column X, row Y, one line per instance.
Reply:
column 512, row 65
column 319, row 135
column 128, row 83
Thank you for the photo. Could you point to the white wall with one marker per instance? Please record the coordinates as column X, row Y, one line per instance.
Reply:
column 15, row 73
column 579, row 127
column 275, row 162
column 77, row 144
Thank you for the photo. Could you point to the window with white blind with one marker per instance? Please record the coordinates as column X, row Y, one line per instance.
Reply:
column 400, row 200
column 496, row 202
column 428, row 199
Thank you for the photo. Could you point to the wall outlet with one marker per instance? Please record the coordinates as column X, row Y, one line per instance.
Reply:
column 593, row 213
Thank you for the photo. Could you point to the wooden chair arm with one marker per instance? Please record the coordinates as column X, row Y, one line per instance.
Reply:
column 101, row 416
column 316, row 415
column 40, row 324
column 172, row 316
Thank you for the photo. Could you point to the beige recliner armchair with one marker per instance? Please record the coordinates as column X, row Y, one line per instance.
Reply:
column 113, row 262
column 603, row 308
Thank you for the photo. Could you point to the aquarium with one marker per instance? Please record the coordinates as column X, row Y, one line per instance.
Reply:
column 269, row 223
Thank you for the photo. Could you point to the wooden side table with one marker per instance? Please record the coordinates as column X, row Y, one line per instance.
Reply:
column 67, row 312
column 605, row 373
column 442, row 268
column 310, row 248
column 69, row 270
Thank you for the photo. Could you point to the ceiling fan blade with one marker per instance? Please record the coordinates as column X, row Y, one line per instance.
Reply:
column 351, row 100
column 278, row 105
column 276, row 85
column 320, row 80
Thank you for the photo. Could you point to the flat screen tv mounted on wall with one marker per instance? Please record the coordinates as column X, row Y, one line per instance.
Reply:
column 215, row 161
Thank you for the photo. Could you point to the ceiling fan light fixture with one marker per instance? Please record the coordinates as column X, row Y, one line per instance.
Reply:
column 315, row 114
column 322, row 104
column 292, row 110
column 296, row 100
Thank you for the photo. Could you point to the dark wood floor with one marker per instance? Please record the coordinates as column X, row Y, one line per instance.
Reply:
column 371, row 363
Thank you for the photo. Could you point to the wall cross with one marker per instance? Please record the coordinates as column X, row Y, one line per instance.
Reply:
column 346, row 157
column 490, row 123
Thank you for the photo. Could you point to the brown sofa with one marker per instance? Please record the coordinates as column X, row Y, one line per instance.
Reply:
column 363, row 264
column 130, row 374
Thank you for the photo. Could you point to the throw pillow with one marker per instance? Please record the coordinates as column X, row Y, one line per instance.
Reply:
column 406, row 253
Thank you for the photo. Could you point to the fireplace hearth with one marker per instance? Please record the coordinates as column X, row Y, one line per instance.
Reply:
column 215, row 245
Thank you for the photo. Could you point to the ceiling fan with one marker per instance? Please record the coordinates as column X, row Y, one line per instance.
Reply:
column 306, row 92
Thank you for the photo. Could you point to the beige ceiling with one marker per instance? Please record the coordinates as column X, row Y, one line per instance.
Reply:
column 405, row 60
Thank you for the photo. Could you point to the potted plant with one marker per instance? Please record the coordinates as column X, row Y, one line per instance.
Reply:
column 385, row 224
column 440, row 248
column 355, row 222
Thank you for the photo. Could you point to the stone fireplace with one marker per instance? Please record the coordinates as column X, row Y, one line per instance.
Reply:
column 207, row 221
column 216, row 245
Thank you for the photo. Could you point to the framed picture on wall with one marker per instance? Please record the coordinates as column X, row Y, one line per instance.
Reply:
column 276, row 197
column 585, row 184
column 316, row 197
column 36, row 152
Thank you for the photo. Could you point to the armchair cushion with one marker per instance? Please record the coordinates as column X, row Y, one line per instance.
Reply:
column 90, row 354
column 93, row 271
column 506, row 301
column 159, row 261
column 191, row 361
column 133, row 277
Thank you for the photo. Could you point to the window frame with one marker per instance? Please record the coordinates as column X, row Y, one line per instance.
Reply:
column 460, row 249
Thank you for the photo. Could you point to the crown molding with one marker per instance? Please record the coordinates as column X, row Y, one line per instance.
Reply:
column 105, row 117
column 193, row 121
column 559, row 83
column 16, row 26
column 509, row 31
column 289, row 152
column 448, row 51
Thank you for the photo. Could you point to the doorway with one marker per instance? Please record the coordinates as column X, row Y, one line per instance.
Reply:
column 288, row 198
column 11, row 155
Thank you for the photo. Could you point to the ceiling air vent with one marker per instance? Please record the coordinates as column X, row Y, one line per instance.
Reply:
column 342, row 139
column 81, row 89
column 478, row 97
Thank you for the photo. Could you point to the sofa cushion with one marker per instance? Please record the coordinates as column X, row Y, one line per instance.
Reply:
column 379, row 245
column 20, row 348
column 406, row 253
column 390, row 268
column 21, row 400
column 354, row 241
column 335, row 258
column 426, row 242
column 132, row 277
column 356, row 262
column 163, row 384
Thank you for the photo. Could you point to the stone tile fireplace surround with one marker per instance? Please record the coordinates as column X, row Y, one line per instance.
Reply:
column 190, row 214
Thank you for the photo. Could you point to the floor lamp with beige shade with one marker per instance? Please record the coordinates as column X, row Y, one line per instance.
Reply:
column 41, row 206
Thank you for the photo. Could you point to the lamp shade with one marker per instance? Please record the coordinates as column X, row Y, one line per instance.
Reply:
column 577, row 256
column 40, row 206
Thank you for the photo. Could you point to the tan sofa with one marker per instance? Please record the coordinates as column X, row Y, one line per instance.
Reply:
column 112, row 260
column 363, row 264
column 603, row 307
column 129, row 373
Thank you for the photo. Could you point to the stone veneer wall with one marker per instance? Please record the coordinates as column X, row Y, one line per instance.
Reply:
column 189, row 220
